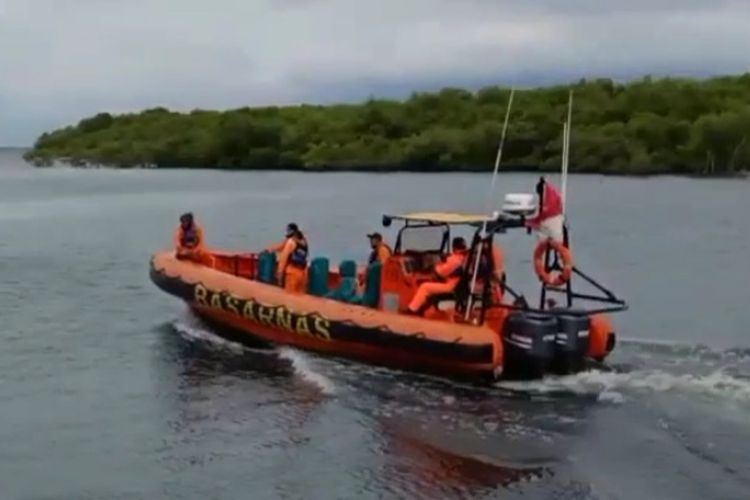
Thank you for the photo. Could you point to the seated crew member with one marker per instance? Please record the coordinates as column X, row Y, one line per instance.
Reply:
column 293, row 253
column 549, row 221
column 448, row 273
column 189, row 241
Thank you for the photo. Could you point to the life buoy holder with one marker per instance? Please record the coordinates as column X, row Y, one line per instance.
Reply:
column 567, row 258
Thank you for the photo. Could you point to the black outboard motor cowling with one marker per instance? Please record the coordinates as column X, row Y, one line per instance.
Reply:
column 528, row 345
column 571, row 341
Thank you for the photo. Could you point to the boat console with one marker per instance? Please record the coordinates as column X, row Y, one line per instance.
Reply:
column 421, row 262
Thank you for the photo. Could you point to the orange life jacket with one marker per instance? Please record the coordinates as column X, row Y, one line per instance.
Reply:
column 377, row 253
column 454, row 265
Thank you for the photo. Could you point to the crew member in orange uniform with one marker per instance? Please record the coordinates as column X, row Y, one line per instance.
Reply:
column 293, row 253
column 189, row 242
column 449, row 273
column 380, row 251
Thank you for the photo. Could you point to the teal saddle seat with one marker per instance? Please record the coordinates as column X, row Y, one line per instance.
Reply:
column 371, row 296
column 347, row 289
column 267, row 267
column 317, row 277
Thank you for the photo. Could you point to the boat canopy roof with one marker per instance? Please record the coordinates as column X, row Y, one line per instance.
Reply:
column 454, row 218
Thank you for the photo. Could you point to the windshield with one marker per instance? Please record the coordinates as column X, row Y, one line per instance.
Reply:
column 422, row 238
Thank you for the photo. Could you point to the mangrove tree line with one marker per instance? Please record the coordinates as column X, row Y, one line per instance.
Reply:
column 645, row 126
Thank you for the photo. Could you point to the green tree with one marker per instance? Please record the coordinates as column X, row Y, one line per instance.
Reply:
column 645, row 126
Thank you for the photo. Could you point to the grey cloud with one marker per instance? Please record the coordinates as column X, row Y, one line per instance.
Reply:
column 65, row 59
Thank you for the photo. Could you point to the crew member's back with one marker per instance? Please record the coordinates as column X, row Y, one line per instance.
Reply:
column 549, row 221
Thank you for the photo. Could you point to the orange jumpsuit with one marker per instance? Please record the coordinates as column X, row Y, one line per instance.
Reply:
column 294, row 276
column 450, row 271
column 195, row 251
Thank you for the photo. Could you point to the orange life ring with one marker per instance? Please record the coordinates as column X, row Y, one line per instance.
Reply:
column 567, row 258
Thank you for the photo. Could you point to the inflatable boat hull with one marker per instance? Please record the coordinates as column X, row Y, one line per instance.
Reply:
column 258, row 311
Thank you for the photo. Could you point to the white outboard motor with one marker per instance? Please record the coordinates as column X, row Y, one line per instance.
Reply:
column 519, row 204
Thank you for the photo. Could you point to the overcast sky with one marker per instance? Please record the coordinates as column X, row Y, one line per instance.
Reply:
column 61, row 60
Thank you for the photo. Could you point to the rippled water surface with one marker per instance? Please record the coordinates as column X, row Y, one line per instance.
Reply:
column 110, row 389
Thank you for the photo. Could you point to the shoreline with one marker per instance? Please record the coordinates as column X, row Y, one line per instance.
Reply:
column 82, row 165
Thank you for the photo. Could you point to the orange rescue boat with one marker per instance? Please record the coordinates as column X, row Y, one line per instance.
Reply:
column 482, row 329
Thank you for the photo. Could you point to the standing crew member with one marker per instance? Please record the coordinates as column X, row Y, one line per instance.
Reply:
column 293, row 253
column 549, row 221
column 498, row 261
column 189, row 242
column 449, row 273
column 380, row 251
column 497, row 269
